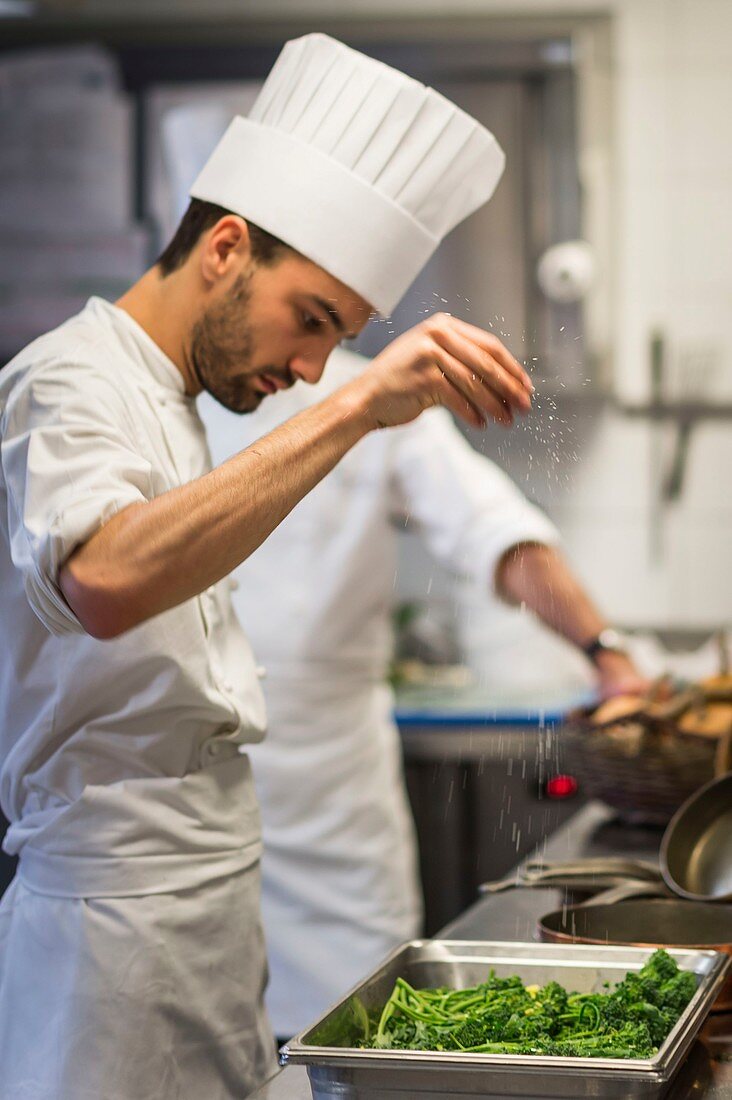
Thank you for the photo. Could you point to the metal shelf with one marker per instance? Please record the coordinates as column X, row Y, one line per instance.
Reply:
column 678, row 410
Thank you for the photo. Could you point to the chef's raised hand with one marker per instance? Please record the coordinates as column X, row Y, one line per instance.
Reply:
column 154, row 555
column 446, row 361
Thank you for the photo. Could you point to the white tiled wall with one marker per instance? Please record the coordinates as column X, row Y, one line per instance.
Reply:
column 672, row 74
column 669, row 73
column 673, row 79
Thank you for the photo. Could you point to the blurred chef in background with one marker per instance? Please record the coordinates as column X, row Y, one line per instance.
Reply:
column 340, row 880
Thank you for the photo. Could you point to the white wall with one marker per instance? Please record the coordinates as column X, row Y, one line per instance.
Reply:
column 671, row 67
column 667, row 267
column 646, row 562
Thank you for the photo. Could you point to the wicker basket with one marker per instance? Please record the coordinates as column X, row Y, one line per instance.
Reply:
column 645, row 774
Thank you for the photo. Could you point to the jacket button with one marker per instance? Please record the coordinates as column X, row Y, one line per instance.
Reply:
column 261, row 671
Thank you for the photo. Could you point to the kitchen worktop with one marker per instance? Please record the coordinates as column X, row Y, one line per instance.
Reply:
column 478, row 704
column 707, row 1074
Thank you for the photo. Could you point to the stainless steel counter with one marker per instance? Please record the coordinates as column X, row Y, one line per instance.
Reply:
column 707, row 1074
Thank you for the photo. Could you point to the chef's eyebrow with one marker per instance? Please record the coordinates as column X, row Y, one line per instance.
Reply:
column 334, row 316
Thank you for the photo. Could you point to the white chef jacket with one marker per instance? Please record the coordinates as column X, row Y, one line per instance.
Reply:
column 339, row 870
column 130, row 938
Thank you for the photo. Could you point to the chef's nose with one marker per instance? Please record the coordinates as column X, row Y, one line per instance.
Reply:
column 308, row 368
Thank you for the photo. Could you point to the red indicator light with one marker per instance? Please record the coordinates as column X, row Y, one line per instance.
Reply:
column 561, row 786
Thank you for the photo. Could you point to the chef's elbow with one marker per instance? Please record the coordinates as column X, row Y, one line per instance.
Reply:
column 100, row 607
column 520, row 569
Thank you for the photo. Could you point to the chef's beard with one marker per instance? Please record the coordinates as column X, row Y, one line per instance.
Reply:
column 221, row 351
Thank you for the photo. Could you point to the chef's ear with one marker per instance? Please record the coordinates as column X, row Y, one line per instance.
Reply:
column 226, row 245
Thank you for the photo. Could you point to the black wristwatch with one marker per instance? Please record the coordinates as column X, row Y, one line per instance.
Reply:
column 608, row 640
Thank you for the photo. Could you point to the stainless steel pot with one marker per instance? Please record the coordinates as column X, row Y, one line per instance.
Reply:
column 647, row 922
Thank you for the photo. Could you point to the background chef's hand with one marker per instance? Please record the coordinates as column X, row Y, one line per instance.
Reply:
column 617, row 675
column 446, row 361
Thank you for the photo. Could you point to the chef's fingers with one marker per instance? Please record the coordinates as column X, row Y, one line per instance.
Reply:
column 498, row 351
column 451, row 398
column 488, row 371
column 462, row 386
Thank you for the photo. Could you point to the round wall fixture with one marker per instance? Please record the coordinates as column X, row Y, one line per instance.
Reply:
column 566, row 271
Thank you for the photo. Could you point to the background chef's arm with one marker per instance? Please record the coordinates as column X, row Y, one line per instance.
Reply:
column 539, row 577
column 478, row 523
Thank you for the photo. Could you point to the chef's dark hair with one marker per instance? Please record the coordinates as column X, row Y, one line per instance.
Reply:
column 201, row 216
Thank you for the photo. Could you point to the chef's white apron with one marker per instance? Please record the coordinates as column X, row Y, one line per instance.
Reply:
column 340, row 879
column 131, row 959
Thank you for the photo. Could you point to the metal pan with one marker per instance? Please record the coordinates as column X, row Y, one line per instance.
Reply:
column 604, row 879
column 696, row 851
column 340, row 1069
column 579, row 874
column 695, row 857
column 653, row 922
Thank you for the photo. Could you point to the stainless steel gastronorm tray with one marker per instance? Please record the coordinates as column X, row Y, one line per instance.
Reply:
column 337, row 1068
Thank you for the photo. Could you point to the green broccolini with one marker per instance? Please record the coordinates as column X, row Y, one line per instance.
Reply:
column 502, row 1016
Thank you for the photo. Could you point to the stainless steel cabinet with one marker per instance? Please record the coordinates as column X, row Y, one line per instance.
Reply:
column 480, row 805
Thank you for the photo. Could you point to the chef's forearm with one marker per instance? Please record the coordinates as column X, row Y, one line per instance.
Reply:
column 153, row 556
column 539, row 577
